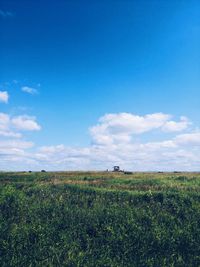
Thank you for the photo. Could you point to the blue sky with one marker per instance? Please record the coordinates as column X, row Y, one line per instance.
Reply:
column 84, row 60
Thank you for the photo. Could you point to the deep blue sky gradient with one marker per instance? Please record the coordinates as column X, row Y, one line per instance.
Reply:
column 97, row 57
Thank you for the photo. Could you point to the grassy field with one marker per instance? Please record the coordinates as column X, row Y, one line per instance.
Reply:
column 100, row 219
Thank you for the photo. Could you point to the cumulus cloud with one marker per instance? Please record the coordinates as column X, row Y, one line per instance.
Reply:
column 4, row 121
column 11, row 126
column 14, row 150
column 5, row 127
column 29, row 90
column 52, row 149
column 10, row 134
column 121, row 127
column 167, row 155
column 25, row 123
column 192, row 139
column 14, row 155
column 16, row 144
column 173, row 126
column 4, row 96
column 113, row 144
column 114, row 141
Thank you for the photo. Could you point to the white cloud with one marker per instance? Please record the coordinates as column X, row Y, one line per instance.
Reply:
column 173, row 126
column 52, row 149
column 131, row 123
column 9, row 125
column 4, row 121
column 29, row 90
column 121, row 127
column 192, row 139
column 117, row 139
column 15, row 144
column 5, row 125
column 10, row 134
column 166, row 156
column 113, row 144
column 26, row 123
column 14, row 155
column 4, row 96
column 14, row 151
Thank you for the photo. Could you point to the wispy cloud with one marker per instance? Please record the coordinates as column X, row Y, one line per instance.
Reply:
column 6, row 14
column 4, row 96
column 29, row 90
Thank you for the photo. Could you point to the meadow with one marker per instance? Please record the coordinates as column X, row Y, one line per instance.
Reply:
column 100, row 219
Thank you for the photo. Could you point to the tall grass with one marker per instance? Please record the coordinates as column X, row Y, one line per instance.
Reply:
column 45, row 220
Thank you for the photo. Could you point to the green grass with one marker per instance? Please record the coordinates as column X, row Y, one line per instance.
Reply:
column 100, row 219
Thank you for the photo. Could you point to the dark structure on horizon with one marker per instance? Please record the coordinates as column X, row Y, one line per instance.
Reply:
column 116, row 169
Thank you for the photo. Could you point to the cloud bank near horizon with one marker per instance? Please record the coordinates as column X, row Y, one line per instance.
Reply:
column 125, row 139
